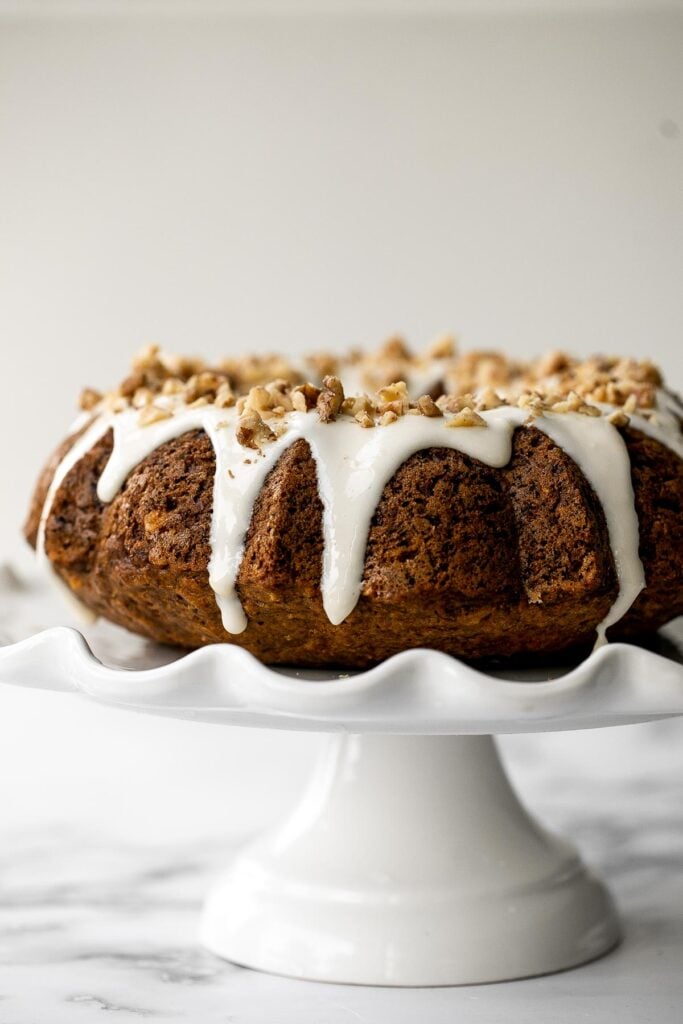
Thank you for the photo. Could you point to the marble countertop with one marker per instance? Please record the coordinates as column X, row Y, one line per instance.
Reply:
column 90, row 924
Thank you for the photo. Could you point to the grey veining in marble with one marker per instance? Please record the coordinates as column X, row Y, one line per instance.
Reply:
column 90, row 927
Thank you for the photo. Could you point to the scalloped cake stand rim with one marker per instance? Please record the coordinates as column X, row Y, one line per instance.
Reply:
column 420, row 692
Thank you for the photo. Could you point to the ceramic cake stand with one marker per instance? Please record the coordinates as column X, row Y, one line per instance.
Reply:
column 409, row 859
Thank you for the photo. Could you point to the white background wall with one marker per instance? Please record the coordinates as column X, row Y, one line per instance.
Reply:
column 222, row 183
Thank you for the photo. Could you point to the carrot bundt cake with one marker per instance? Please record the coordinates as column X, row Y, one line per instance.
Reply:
column 340, row 511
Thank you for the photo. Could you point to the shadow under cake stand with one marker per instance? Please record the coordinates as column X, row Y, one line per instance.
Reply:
column 409, row 860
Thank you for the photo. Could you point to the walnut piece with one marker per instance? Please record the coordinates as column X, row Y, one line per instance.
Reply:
column 252, row 431
column 330, row 399
column 487, row 398
column 224, row 396
column 443, row 347
column 467, row 418
column 259, row 399
column 387, row 418
column 142, row 397
column 394, row 398
column 150, row 414
column 618, row 418
column 427, row 406
column 88, row 399
column 357, row 404
column 304, row 397
column 202, row 385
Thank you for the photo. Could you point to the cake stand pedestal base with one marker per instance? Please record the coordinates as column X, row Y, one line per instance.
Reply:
column 409, row 861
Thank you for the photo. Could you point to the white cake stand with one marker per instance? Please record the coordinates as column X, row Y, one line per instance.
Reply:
column 409, row 859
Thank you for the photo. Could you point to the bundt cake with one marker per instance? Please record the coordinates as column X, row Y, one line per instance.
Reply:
column 473, row 504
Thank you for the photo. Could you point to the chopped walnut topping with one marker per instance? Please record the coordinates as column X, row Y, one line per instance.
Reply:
column 561, row 407
column 323, row 364
column 259, row 399
column 533, row 402
column 252, row 432
column 146, row 358
column 387, row 418
column 224, row 396
column 612, row 393
column 427, row 406
column 280, row 396
column 130, row 385
column 357, row 404
column 88, row 399
column 173, row 386
column 114, row 403
column 645, row 395
column 330, row 399
column 304, row 397
column 443, row 347
column 244, row 373
column 394, row 398
column 618, row 418
column 572, row 403
column 202, row 385
column 467, row 418
column 470, row 383
column 299, row 401
column 142, row 397
column 395, row 348
column 455, row 403
column 475, row 370
column 398, row 408
column 152, row 414
column 487, row 398
column 181, row 367
column 552, row 363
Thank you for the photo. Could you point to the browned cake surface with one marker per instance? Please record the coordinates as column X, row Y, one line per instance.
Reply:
column 471, row 560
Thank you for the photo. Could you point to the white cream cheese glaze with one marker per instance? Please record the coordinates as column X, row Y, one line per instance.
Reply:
column 602, row 456
column 79, row 448
column 353, row 467
column 663, row 424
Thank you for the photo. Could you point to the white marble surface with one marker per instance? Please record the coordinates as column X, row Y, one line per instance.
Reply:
column 91, row 923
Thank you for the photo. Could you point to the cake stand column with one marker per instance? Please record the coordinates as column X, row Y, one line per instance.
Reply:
column 409, row 861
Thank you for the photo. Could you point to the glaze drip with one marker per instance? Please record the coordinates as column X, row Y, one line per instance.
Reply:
column 90, row 436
